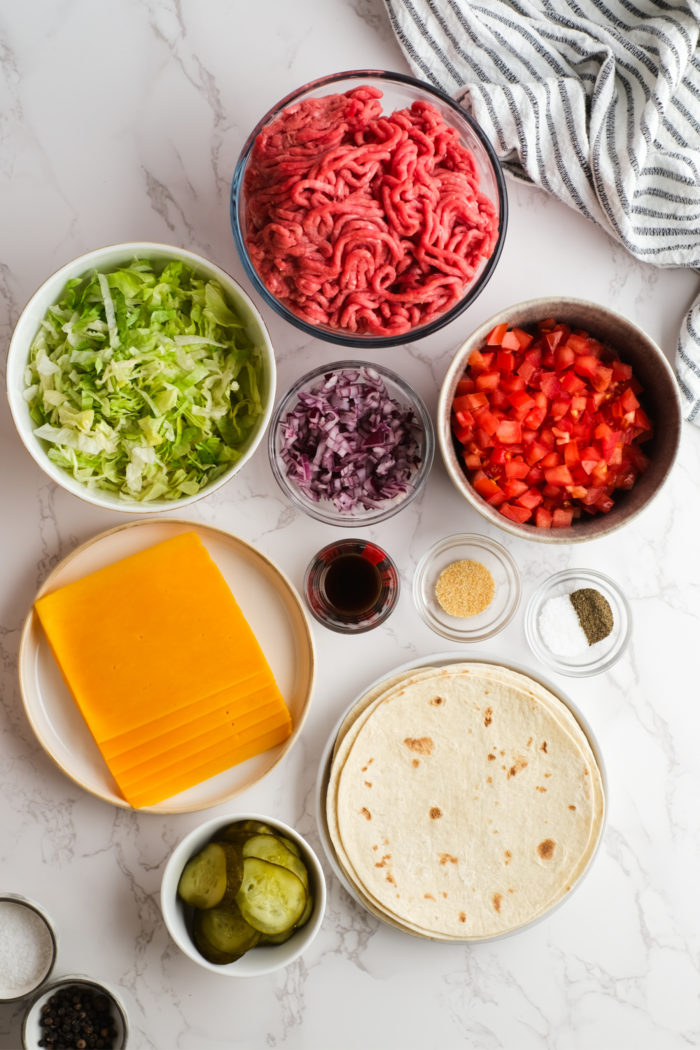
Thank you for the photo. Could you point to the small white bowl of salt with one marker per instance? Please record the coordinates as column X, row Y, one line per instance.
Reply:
column 27, row 947
column 578, row 622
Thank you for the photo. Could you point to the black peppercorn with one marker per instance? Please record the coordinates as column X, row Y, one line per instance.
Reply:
column 76, row 1018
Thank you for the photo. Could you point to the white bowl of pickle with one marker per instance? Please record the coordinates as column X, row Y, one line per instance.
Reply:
column 243, row 895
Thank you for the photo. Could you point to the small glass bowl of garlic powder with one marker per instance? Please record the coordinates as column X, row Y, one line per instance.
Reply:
column 578, row 622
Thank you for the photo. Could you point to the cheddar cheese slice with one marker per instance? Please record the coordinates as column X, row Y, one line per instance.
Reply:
column 164, row 668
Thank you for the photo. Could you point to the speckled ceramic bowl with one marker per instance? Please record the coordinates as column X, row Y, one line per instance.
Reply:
column 660, row 399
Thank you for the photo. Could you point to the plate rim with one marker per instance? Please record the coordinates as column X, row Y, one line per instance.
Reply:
column 202, row 528
column 441, row 659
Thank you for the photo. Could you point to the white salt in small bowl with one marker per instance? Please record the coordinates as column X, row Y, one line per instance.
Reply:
column 552, row 643
column 27, row 947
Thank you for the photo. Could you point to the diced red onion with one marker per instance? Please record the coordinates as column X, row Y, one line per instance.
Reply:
column 348, row 441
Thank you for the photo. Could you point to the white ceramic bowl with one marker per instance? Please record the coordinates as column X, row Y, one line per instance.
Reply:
column 260, row 960
column 106, row 259
column 31, row 1028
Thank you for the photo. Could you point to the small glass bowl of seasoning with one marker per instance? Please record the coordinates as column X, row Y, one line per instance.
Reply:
column 77, row 1012
column 27, row 947
column 351, row 586
column 578, row 622
column 466, row 587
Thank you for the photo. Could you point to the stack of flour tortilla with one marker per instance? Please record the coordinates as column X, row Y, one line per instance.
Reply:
column 462, row 801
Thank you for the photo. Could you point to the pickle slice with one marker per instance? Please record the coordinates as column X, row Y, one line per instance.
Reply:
column 234, row 870
column 271, row 898
column 203, row 880
column 240, row 830
column 290, row 844
column 222, row 935
column 272, row 848
column 306, row 914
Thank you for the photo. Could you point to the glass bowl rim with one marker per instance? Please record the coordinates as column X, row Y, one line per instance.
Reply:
column 328, row 334
column 7, row 897
column 513, row 583
column 561, row 664
column 412, row 399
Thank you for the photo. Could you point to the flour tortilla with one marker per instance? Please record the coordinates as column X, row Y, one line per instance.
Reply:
column 481, row 850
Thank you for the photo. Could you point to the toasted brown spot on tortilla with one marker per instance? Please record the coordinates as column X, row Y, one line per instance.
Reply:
column 529, row 742
column 543, row 746
column 429, row 896
column 368, row 783
column 436, row 701
column 415, row 763
column 390, row 878
column 447, row 858
column 491, row 758
column 548, row 774
column 365, row 768
column 540, row 788
column 519, row 764
column 546, row 849
column 462, row 917
column 496, row 901
column 435, row 812
column 572, row 807
column 366, row 813
column 508, row 856
column 489, row 780
column 488, row 716
column 384, row 861
column 422, row 745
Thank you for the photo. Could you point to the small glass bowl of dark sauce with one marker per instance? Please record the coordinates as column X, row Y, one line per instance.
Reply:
column 351, row 586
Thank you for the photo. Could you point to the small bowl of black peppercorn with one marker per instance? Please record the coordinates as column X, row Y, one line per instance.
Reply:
column 75, row 1012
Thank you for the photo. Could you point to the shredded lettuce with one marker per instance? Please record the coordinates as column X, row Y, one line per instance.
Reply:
column 144, row 381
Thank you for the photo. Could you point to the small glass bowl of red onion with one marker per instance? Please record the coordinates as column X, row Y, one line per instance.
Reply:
column 351, row 443
column 368, row 208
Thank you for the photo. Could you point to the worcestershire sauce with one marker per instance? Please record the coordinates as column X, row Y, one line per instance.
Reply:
column 351, row 584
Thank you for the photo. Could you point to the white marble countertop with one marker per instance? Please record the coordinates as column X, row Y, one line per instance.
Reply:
column 123, row 121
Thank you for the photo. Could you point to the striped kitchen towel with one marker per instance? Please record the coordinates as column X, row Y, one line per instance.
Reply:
column 596, row 101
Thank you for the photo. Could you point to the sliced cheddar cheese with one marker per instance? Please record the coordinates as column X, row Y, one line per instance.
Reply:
column 164, row 668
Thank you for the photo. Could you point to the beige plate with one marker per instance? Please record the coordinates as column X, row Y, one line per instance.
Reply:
column 268, row 601
column 355, row 708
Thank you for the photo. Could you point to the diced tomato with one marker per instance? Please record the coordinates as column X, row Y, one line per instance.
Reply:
column 562, row 517
column 530, row 499
column 472, row 460
column 509, row 431
column 465, row 386
column 516, row 467
column 515, row 513
column 479, row 361
column 495, row 336
column 521, row 401
column 484, row 485
column 550, row 384
column 514, row 488
column 560, row 475
column 550, row 423
column 505, row 361
column 563, row 356
column 543, row 518
column 488, row 380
